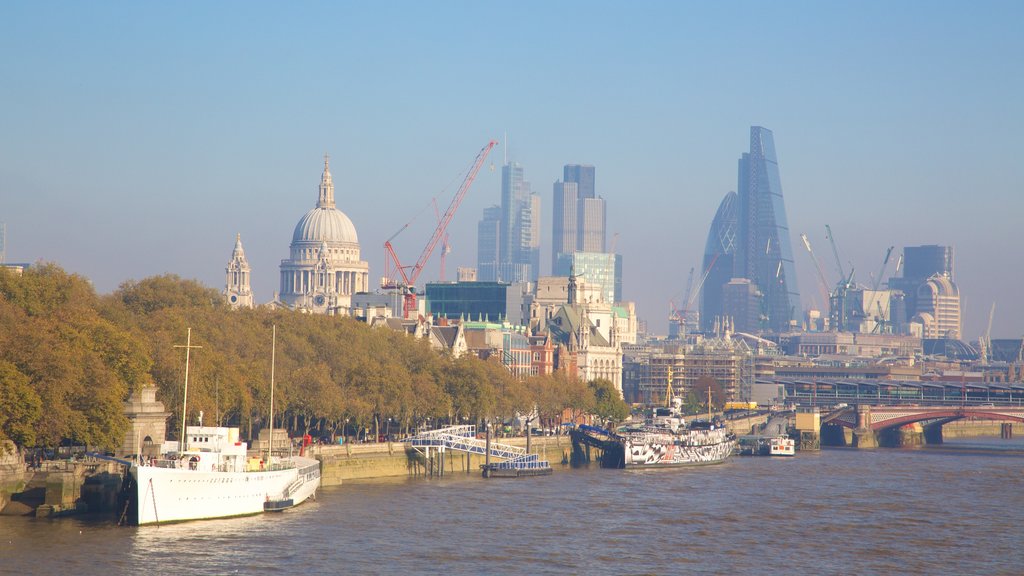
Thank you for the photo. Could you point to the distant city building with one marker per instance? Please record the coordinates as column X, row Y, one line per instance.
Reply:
column 482, row 301
column 579, row 217
column 741, row 303
column 718, row 263
column 518, row 231
column 565, row 199
column 488, row 231
column 919, row 264
column 237, row 289
column 938, row 308
column 583, row 176
column 595, row 271
column 466, row 274
column 324, row 269
column 764, row 253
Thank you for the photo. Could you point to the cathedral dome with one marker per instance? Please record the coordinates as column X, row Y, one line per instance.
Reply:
column 325, row 223
column 322, row 224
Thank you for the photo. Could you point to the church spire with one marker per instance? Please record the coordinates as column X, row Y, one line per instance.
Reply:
column 238, row 254
column 326, row 186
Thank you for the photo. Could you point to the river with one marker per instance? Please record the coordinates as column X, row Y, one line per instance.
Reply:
column 956, row 508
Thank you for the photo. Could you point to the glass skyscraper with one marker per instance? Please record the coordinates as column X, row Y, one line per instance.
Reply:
column 508, row 236
column 579, row 216
column 764, row 253
column 717, row 267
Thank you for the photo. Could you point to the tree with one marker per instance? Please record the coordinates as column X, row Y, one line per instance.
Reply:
column 608, row 403
column 21, row 407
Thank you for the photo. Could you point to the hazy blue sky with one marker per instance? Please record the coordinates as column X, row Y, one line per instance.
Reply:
column 137, row 138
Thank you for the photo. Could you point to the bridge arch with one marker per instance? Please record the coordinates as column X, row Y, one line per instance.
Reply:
column 948, row 415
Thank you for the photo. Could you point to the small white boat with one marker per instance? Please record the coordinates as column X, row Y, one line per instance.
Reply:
column 781, row 446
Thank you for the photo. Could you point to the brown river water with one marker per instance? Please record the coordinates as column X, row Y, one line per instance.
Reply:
column 952, row 509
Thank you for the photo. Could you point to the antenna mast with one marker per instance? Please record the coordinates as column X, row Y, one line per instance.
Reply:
column 184, row 399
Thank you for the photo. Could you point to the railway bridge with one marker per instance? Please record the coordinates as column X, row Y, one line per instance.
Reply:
column 869, row 421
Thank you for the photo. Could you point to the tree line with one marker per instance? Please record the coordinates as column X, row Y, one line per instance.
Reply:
column 69, row 358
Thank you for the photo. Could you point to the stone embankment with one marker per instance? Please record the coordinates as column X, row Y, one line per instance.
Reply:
column 394, row 459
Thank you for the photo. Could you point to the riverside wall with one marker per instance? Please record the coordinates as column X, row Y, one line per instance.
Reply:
column 349, row 462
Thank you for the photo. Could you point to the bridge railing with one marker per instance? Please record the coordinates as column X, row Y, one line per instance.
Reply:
column 896, row 400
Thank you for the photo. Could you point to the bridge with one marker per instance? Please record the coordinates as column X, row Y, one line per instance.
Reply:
column 868, row 421
column 515, row 460
column 873, row 407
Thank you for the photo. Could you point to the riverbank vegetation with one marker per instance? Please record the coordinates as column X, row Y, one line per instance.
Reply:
column 69, row 358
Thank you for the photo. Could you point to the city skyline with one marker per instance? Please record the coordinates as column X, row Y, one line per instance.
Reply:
column 129, row 152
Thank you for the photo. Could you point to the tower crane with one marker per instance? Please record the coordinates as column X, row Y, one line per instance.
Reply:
column 825, row 291
column 692, row 296
column 874, row 289
column 409, row 274
column 835, row 251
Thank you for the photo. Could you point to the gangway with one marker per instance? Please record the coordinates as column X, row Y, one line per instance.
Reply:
column 517, row 462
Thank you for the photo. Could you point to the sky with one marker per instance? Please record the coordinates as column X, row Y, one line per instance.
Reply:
column 137, row 139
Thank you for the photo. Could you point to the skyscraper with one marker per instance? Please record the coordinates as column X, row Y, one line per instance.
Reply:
column 764, row 254
column 579, row 217
column 488, row 231
column 919, row 264
column 508, row 236
column 563, row 216
column 583, row 176
column 717, row 267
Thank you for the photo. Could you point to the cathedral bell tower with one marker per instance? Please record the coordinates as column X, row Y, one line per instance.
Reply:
column 237, row 290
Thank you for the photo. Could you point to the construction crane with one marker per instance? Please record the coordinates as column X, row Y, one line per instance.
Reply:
column 446, row 248
column 835, row 252
column 986, row 354
column 409, row 274
column 691, row 296
column 876, row 282
column 825, row 290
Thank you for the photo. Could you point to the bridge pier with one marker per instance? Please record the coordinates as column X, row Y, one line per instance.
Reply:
column 863, row 435
column 834, row 435
column 933, row 434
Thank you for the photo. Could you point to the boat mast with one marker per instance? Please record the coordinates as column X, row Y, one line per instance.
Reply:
column 273, row 357
column 709, row 403
column 668, row 388
column 184, row 399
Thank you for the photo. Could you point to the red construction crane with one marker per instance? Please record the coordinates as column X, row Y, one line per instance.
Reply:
column 409, row 274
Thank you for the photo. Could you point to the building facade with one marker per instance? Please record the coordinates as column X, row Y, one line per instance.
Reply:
column 487, row 233
column 938, row 308
column 596, row 272
column 518, row 229
column 324, row 269
column 764, row 252
column 579, row 216
column 718, row 263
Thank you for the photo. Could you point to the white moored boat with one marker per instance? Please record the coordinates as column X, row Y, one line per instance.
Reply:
column 214, row 478
column 212, row 475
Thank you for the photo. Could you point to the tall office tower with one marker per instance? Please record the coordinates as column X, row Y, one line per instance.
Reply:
column 563, row 216
column 919, row 264
column 533, row 251
column 518, row 246
column 590, row 225
column 583, row 176
column 590, row 211
column 579, row 216
column 764, row 254
column 487, row 233
column 717, row 268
